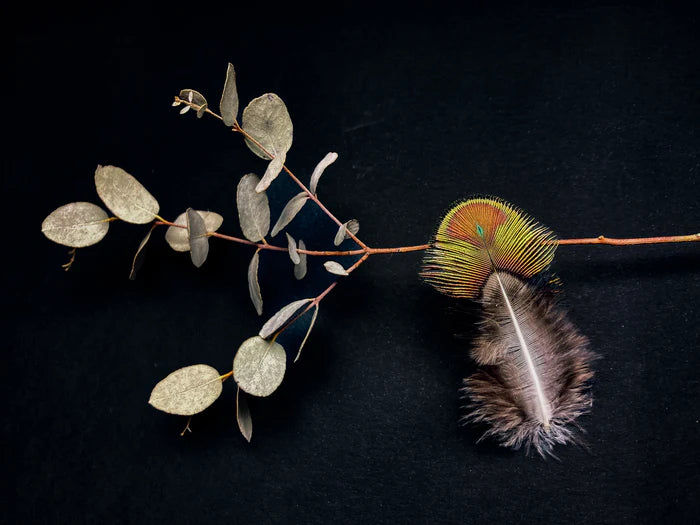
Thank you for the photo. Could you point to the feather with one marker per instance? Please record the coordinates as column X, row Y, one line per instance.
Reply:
column 534, row 381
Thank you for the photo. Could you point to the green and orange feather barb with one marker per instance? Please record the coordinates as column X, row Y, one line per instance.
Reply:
column 482, row 235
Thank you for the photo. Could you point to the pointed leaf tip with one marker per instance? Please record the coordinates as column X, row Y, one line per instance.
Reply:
column 245, row 422
column 290, row 211
column 281, row 317
column 229, row 98
column 253, row 284
column 335, row 268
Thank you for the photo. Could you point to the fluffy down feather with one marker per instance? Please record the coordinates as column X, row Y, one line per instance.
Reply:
column 535, row 384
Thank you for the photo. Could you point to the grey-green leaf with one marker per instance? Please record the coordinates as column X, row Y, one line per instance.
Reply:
column 313, row 320
column 202, row 110
column 352, row 226
column 335, row 268
column 197, row 236
column 253, row 285
column 187, row 391
column 253, row 209
column 77, row 224
column 292, row 247
column 266, row 120
column 272, row 171
column 229, row 98
column 125, row 196
column 276, row 321
column 245, row 422
column 140, row 255
column 326, row 161
column 259, row 366
column 194, row 97
column 300, row 269
column 177, row 237
column 290, row 211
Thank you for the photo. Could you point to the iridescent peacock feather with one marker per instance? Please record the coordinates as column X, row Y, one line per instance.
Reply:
column 482, row 235
column 535, row 365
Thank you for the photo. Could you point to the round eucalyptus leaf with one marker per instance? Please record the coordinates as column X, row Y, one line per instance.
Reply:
column 266, row 120
column 77, row 224
column 259, row 366
column 187, row 391
column 125, row 196
column 177, row 237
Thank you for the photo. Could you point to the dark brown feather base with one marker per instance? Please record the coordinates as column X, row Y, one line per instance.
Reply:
column 500, row 396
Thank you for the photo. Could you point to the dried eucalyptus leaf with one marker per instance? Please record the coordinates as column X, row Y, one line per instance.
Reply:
column 185, row 110
column 290, row 211
column 253, row 285
column 259, row 366
column 194, row 97
column 177, row 237
column 352, row 226
column 77, row 224
column 300, row 269
column 229, row 98
column 125, row 196
column 276, row 321
column 335, row 268
column 292, row 247
column 245, row 422
column 341, row 235
column 253, row 209
column 187, row 391
column 266, row 120
column 197, row 236
column 326, row 161
column 271, row 172
column 313, row 320
column 140, row 255
column 202, row 110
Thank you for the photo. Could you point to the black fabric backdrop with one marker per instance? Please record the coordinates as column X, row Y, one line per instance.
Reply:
column 586, row 117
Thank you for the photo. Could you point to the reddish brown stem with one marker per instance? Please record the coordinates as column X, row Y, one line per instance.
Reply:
column 626, row 242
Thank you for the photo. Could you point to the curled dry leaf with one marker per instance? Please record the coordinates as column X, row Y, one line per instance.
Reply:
column 194, row 97
column 326, row 161
column 177, row 237
column 289, row 211
column 229, row 98
column 187, row 391
column 253, row 285
column 352, row 226
column 259, row 366
column 197, row 236
column 202, row 110
column 277, row 321
column 77, row 224
column 267, row 121
column 125, row 196
column 300, row 269
column 335, row 268
column 292, row 247
column 253, row 209
column 308, row 331
column 245, row 422
column 140, row 255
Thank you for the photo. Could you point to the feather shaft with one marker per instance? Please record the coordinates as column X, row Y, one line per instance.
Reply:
column 542, row 403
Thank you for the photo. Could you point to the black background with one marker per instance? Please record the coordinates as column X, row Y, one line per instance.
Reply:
column 585, row 116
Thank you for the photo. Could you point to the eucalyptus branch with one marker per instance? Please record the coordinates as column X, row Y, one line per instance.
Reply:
column 260, row 362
